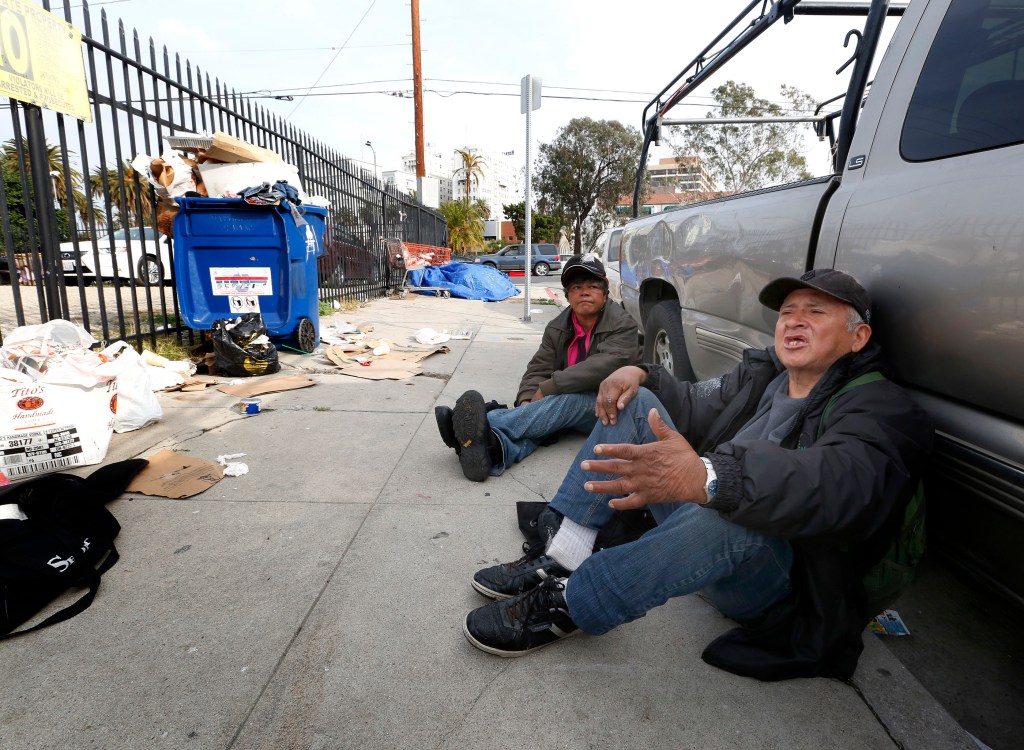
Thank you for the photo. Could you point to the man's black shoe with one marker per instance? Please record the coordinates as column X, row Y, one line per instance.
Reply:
column 473, row 436
column 443, row 415
column 524, row 623
column 510, row 579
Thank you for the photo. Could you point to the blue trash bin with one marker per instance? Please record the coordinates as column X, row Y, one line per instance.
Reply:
column 231, row 257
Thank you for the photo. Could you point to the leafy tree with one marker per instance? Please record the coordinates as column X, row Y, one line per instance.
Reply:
column 543, row 227
column 747, row 157
column 589, row 164
column 465, row 223
column 471, row 169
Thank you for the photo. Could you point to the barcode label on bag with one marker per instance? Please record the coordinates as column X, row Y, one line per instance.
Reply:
column 40, row 450
column 34, row 468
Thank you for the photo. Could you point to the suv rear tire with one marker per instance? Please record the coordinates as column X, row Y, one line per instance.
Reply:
column 664, row 343
column 541, row 269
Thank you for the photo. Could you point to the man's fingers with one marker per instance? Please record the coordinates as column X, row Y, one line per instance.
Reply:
column 661, row 430
column 627, row 503
column 626, row 451
column 610, row 466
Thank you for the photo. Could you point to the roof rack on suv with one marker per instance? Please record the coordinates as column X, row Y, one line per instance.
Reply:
column 708, row 61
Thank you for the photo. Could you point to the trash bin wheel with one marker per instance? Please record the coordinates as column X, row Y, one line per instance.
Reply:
column 306, row 334
column 447, row 294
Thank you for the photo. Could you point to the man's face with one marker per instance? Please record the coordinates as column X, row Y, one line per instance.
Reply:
column 812, row 333
column 586, row 295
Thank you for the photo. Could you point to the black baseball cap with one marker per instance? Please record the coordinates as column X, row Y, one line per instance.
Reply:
column 583, row 265
column 834, row 283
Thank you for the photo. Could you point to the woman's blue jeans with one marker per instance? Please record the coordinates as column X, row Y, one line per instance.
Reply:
column 742, row 572
column 521, row 430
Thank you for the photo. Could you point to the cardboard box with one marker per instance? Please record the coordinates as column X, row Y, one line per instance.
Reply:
column 233, row 150
column 223, row 178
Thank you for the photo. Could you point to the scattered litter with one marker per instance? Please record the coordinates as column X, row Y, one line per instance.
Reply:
column 889, row 623
column 381, row 347
column 250, row 389
column 232, row 469
column 248, row 406
column 430, row 337
column 175, row 475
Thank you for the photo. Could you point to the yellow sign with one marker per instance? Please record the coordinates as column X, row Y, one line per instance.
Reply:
column 41, row 59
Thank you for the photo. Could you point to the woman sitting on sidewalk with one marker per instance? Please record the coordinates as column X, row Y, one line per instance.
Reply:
column 585, row 344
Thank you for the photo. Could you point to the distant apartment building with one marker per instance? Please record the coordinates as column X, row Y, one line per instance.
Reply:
column 499, row 183
column 682, row 174
column 436, row 167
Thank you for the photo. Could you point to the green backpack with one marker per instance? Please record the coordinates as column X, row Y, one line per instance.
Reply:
column 887, row 578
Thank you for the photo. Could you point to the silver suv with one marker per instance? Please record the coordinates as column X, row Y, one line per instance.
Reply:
column 543, row 258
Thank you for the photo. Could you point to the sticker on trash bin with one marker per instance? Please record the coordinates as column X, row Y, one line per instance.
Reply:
column 226, row 282
column 243, row 303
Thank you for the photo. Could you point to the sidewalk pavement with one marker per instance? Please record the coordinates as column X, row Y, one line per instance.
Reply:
column 317, row 601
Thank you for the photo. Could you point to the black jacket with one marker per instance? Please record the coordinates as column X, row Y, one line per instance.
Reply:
column 614, row 343
column 837, row 498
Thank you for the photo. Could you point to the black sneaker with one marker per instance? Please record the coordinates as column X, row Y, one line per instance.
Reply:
column 443, row 416
column 473, row 436
column 510, row 579
column 522, row 624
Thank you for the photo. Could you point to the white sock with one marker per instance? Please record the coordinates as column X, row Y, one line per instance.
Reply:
column 572, row 544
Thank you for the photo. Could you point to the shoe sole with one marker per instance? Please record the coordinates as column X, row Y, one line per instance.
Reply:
column 443, row 417
column 489, row 593
column 508, row 654
column 470, row 422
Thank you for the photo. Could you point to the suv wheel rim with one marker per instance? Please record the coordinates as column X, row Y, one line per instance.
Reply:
column 663, row 352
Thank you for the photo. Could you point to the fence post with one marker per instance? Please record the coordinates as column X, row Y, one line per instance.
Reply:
column 46, row 218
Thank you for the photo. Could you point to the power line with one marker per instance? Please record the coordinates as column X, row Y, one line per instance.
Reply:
column 343, row 45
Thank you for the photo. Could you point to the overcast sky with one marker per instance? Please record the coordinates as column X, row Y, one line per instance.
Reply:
column 353, row 58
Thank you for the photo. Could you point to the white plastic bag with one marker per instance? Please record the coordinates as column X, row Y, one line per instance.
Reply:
column 137, row 405
column 50, row 425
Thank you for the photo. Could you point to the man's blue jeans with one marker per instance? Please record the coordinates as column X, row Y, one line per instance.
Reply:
column 742, row 572
column 520, row 430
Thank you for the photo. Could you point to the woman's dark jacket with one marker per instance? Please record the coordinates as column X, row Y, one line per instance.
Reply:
column 837, row 498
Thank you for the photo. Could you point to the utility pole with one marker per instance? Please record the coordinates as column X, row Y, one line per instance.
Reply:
column 417, row 98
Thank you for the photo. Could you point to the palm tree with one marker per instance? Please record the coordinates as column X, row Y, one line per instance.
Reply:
column 128, row 203
column 54, row 166
column 472, row 168
column 465, row 223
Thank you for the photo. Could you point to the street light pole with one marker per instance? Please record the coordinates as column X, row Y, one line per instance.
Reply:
column 374, row 159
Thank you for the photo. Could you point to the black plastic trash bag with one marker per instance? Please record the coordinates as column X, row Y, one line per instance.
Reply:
column 241, row 347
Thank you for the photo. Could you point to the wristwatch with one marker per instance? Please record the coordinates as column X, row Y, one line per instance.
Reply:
column 711, row 484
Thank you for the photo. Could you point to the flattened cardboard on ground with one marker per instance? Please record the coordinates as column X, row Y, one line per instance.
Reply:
column 176, row 475
column 398, row 364
column 259, row 387
column 233, row 150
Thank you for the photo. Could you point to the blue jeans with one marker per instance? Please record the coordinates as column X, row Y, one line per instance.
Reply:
column 742, row 572
column 520, row 430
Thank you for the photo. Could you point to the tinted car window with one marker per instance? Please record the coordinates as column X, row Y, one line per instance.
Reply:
column 970, row 95
column 614, row 245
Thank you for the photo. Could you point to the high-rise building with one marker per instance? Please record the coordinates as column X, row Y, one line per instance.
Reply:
column 498, row 183
column 680, row 174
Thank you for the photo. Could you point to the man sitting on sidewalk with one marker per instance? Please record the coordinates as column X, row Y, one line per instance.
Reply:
column 586, row 343
column 771, row 508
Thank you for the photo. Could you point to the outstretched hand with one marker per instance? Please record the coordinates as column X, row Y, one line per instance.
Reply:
column 616, row 391
column 666, row 471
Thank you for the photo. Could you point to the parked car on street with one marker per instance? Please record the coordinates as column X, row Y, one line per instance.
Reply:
column 607, row 247
column 149, row 261
column 346, row 259
column 543, row 258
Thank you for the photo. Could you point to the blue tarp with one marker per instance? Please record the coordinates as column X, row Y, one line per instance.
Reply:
column 465, row 280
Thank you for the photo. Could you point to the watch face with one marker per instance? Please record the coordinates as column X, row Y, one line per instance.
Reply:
column 712, row 488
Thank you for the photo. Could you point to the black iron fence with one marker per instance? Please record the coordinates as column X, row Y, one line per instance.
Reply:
column 84, row 236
